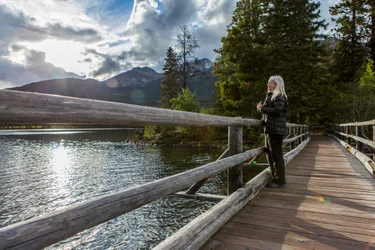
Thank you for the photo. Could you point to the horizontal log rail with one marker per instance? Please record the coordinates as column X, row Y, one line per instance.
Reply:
column 196, row 186
column 17, row 107
column 366, row 123
column 45, row 230
column 289, row 140
column 360, row 139
column 345, row 131
column 357, row 138
column 366, row 161
column 198, row 231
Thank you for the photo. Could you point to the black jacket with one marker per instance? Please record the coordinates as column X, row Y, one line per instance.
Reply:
column 274, row 115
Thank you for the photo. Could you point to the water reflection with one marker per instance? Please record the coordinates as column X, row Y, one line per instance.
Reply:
column 42, row 173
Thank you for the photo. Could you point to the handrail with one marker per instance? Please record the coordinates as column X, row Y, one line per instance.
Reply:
column 198, row 231
column 286, row 141
column 17, row 107
column 53, row 227
column 366, row 161
column 34, row 108
column 359, row 139
column 372, row 122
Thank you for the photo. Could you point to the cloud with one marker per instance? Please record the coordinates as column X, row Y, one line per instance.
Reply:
column 153, row 27
column 103, row 38
column 34, row 69
column 15, row 27
column 56, row 30
column 108, row 66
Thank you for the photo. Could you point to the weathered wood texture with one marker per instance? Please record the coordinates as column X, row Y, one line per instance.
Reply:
column 45, row 230
column 295, row 138
column 366, row 123
column 201, row 196
column 235, row 146
column 328, row 204
column 196, row 186
column 366, row 161
column 198, row 231
column 360, row 139
column 17, row 107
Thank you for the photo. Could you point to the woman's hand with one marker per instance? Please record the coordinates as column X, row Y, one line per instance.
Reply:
column 259, row 106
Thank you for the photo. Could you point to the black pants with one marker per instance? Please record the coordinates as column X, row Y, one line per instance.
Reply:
column 276, row 159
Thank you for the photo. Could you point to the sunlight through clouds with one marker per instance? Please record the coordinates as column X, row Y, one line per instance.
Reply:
column 86, row 37
column 64, row 54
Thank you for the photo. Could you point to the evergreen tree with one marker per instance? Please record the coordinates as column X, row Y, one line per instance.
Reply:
column 169, row 86
column 350, row 53
column 350, row 30
column 365, row 98
column 267, row 38
column 186, row 45
column 296, row 53
column 240, row 66
column 370, row 4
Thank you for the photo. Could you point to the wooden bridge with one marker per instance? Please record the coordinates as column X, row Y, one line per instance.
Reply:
column 328, row 204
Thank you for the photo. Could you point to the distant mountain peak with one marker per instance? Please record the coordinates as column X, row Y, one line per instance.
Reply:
column 203, row 64
column 136, row 77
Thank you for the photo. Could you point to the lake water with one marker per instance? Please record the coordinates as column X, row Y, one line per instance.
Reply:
column 49, row 170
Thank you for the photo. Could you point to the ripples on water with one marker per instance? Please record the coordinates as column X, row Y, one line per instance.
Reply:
column 49, row 171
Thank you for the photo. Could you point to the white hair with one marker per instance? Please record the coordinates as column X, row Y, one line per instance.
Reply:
column 280, row 89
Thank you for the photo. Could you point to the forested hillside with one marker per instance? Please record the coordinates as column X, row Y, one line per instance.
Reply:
column 324, row 84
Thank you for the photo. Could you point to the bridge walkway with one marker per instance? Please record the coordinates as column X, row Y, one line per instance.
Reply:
column 329, row 203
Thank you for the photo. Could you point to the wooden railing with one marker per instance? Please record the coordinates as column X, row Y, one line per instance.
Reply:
column 31, row 108
column 353, row 138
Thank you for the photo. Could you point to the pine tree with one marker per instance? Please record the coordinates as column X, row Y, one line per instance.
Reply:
column 186, row 45
column 240, row 66
column 370, row 4
column 350, row 53
column 272, row 37
column 350, row 30
column 295, row 53
column 170, row 86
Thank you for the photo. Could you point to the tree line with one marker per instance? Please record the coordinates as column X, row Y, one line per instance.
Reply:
column 329, row 74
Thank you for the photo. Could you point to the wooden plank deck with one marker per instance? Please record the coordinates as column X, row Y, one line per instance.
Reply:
column 329, row 203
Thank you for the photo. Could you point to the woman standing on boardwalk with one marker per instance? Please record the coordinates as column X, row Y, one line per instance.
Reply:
column 274, row 111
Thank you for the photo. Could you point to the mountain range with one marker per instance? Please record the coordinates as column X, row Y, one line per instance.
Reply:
column 140, row 85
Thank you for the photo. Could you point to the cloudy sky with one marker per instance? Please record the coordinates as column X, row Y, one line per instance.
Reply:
column 46, row 39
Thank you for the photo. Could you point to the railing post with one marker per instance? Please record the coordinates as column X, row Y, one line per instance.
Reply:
column 300, row 133
column 347, row 130
column 293, row 143
column 373, row 139
column 358, row 132
column 235, row 146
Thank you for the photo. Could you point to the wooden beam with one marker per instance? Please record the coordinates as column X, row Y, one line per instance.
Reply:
column 45, row 230
column 196, row 186
column 359, row 133
column 198, row 231
column 366, row 161
column 201, row 196
column 235, row 146
column 292, row 143
column 18, row 107
column 363, row 140
column 288, row 157
column 372, row 122
column 295, row 138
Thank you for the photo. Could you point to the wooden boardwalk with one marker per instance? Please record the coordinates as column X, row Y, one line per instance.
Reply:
column 329, row 203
